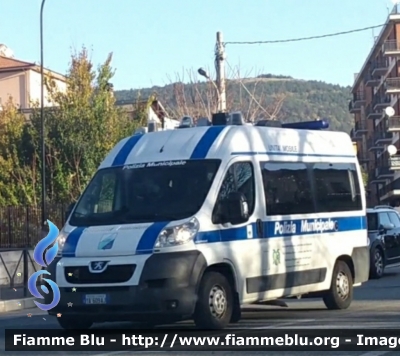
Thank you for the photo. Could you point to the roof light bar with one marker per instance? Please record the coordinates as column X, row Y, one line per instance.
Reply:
column 307, row 125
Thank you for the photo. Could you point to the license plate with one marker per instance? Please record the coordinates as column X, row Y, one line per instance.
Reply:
column 95, row 299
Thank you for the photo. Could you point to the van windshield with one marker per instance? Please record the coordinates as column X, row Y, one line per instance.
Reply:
column 145, row 192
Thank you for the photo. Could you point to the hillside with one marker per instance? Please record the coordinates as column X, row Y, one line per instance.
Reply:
column 299, row 100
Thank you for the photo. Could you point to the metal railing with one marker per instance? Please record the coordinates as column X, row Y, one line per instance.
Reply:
column 392, row 83
column 380, row 64
column 363, row 157
column 394, row 162
column 373, row 177
column 382, row 136
column 382, row 100
column 20, row 226
column 391, row 46
column 394, row 185
column 384, row 171
column 360, row 125
column 371, row 113
column 17, row 273
column 393, row 123
column 358, row 96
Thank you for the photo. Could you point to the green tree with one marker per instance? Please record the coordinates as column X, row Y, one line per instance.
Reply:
column 364, row 175
column 17, row 176
column 81, row 129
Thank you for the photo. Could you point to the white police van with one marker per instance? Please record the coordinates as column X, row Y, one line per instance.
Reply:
column 193, row 223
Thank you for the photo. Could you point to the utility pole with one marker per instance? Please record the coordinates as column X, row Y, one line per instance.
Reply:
column 42, row 134
column 220, row 57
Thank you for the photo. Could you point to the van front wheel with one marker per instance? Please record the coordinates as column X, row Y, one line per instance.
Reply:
column 215, row 302
column 340, row 295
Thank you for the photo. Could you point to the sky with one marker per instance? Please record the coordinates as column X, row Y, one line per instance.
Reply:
column 154, row 42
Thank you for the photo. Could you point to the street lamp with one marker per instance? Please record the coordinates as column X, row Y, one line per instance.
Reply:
column 42, row 123
column 204, row 74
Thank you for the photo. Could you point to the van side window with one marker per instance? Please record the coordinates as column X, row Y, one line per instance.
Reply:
column 337, row 187
column 287, row 188
column 238, row 178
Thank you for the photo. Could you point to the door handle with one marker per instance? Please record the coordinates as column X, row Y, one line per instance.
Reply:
column 260, row 228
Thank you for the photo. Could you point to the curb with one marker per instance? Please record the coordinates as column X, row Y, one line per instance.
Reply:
column 16, row 304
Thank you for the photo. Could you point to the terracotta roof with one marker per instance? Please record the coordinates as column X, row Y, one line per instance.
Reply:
column 8, row 63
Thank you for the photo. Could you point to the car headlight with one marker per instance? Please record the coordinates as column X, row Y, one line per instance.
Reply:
column 368, row 241
column 61, row 238
column 178, row 234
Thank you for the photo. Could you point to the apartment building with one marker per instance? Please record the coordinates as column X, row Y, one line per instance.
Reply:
column 377, row 87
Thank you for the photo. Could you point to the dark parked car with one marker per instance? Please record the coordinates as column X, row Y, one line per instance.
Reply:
column 384, row 238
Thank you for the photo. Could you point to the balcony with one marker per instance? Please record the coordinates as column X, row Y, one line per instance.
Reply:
column 384, row 172
column 360, row 128
column 381, row 102
column 373, row 113
column 383, row 137
column 354, row 137
column 374, row 179
column 393, row 185
column 357, row 102
column 391, row 48
column 392, row 85
column 394, row 162
column 393, row 124
column 363, row 157
column 373, row 146
column 372, row 81
column 379, row 68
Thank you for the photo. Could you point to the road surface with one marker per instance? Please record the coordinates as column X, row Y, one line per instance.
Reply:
column 376, row 305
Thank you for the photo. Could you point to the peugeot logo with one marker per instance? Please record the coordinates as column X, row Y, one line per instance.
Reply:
column 97, row 266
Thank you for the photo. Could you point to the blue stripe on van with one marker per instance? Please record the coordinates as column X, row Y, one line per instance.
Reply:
column 126, row 149
column 291, row 228
column 252, row 153
column 72, row 241
column 205, row 143
column 149, row 237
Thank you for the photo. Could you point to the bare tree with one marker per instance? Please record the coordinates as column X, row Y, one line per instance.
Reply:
column 245, row 93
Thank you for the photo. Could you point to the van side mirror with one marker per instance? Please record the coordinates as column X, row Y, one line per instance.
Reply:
column 236, row 209
column 69, row 211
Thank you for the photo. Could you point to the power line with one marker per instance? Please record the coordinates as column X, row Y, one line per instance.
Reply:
column 305, row 38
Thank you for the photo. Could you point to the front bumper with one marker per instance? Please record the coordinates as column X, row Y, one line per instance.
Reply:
column 129, row 304
column 166, row 291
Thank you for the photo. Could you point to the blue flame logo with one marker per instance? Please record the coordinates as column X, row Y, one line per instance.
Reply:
column 44, row 260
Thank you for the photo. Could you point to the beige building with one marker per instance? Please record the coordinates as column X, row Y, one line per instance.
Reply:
column 22, row 82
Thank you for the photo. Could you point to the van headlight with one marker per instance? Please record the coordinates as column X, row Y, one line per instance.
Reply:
column 178, row 234
column 368, row 241
column 61, row 238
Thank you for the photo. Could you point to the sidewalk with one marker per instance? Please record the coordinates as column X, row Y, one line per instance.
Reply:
column 13, row 299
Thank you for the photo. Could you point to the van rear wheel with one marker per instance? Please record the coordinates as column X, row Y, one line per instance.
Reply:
column 340, row 295
column 214, row 306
